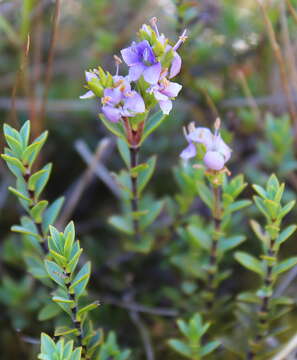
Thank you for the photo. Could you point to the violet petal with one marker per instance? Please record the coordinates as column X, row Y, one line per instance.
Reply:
column 152, row 73
column 189, row 152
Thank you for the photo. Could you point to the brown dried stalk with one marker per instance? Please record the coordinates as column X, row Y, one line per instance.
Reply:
column 281, row 64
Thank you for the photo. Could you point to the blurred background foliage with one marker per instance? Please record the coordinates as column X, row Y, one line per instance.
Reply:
column 229, row 69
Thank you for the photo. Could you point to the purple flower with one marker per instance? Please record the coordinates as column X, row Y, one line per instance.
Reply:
column 163, row 92
column 142, row 61
column 176, row 61
column 217, row 151
column 121, row 101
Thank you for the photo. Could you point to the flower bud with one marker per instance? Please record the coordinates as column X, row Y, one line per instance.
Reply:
column 214, row 160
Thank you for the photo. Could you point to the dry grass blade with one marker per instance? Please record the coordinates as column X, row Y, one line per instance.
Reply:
column 281, row 64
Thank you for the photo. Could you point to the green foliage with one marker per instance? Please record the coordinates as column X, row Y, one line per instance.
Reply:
column 207, row 246
column 20, row 156
column 269, row 267
column 193, row 331
column 58, row 351
column 110, row 349
column 61, row 264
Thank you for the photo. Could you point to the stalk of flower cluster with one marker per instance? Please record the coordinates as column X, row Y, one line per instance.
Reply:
column 263, row 312
column 134, row 151
column 213, row 262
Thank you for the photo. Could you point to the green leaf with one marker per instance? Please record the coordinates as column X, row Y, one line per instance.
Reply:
column 115, row 128
column 152, row 214
column 205, row 194
column 180, row 347
column 282, row 300
column 59, row 259
column 31, row 152
column 48, row 312
column 14, row 162
column 65, row 330
column 33, row 179
column 259, row 232
column 37, row 210
column 183, row 327
column 56, row 240
column 42, row 181
column 75, row 255
column 285, row 234
column 60, row 299
column 121, row 224
column 136, row 170
column 79, row 283
column 287, row 208
column 209, row 347
column 145, row 175
column 69, row 234
column 124, row 151
column 259, row 203
column 51, row 213
column 25, row 133
column 152, row 124
column 260, row 191
column 24, row 230
column 19, row 194
column 76, row 355
column 284, row 266
column 47, row 344
column 8, row 130
column 15, row 146
column 248, row 297
column 237, row 205
column 249, row 262
column 36, row 266
column 55, row 272
column 199, row 237
column 230, row 243
column 88, row 308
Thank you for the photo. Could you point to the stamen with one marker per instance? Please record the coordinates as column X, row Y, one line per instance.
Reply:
column 146, row 55
column 181, row 40
column 120, row 83
column 105, row 99
column 117, row 61
column 129, row 94
column 165, row 82
column 153, row 22
column 191, row 127
column 164, row 72
column 217, row 126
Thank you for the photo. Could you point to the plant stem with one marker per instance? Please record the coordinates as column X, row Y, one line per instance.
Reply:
column 134, row 201
column 262, row 323
column 74, row 310
column 38, row 225
column 213, row 262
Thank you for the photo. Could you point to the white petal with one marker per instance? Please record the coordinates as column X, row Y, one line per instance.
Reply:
column 88, row 95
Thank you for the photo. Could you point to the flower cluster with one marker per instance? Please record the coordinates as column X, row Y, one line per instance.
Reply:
column 152, row 63
column 207, row 146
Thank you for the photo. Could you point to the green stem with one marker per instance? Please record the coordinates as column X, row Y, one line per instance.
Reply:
column 263, row 312
column 74, row 310
column 33, row 203
column 213, row 262
column 134, row 201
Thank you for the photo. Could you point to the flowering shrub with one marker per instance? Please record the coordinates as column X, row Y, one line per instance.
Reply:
column 188, row 252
